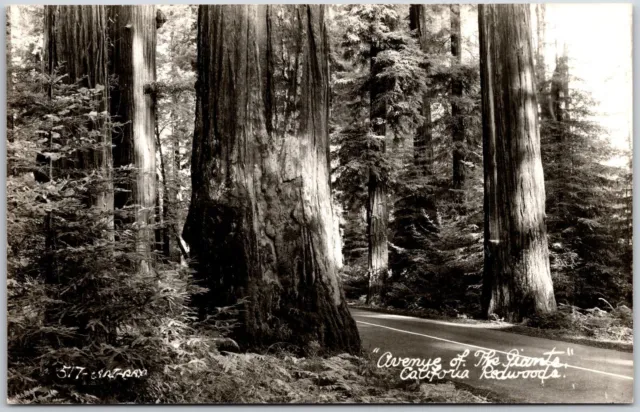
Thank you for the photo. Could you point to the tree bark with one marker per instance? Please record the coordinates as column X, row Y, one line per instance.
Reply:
column 76, row 41
column 422, row 143
column 377, row 208
column 517, row 279
column 76, row 36
column 260, row 224
column 457, row 112
column 133, row 35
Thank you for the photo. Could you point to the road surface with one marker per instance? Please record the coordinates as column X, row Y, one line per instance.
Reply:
column 591, row 375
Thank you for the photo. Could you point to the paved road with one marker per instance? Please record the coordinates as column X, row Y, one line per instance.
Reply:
column 592, row 375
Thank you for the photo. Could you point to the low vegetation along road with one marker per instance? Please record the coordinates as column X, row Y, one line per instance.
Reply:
column 581, row 374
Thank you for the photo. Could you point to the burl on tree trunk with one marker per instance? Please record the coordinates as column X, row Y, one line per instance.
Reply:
column 260, row 223
column 133, row 35
column 517, row 280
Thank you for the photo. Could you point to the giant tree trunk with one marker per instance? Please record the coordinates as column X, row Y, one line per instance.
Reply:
column 422, row 143
column 133, row 62
column 517, row 280
column 76, row 37
column 260, row 224
column 76, row 43
column 377, row 209
column 457, row 113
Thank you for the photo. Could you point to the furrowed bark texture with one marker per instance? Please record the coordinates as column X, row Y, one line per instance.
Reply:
column 133, row 35
column 459, row 144
column 422, row 142
column 517, row 279
column 377, row 208
column 76, row 37
column 260, row 224
column 76, row 41
column 377, row 223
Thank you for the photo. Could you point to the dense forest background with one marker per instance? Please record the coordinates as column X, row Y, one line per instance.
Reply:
column 394, row 93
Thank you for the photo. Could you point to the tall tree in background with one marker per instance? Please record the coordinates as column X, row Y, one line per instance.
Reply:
column 133, row 63
column 542, row 85
column 174, row 128
column 559, row 94
column 377, row 207
column 459, row 144
column 423, row 141
column 260, row 223
column 517, row 279
column 381, row 83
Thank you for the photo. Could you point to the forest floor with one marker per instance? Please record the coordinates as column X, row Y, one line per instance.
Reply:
column 250, row 378
column 598, row 334
column 278, row 379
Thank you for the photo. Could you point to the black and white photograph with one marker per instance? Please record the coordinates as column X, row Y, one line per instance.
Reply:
column 222, row 204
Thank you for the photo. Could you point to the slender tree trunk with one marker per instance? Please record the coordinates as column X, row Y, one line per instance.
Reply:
column 133, row 35
column 377, row 209
column 546, row 108
column 260, row 221
column 171, row 186
column 517, row 280
column 160, row 222
column 457, row 112
column 422, row 143
column 560, row 89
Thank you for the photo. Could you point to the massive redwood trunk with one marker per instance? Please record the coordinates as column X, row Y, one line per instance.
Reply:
column 260, row 223
column 76, row 44
column 76, row 40
column 422, row 142
column 517, row 279
column 133, row 63
column 457, row 112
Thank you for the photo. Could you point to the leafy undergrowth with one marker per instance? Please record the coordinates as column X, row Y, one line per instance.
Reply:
column 611, row 329
column 200, row 374
column 255, row 378
column 596, row 327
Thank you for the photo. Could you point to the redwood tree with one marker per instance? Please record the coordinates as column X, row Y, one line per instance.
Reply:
column 76, row 44
column 517, row 279
column 377, row 208
column 260, row 223
column 422, row 143
column 459, row 144
column 133, row 64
